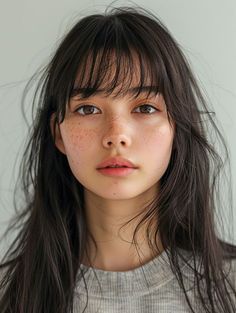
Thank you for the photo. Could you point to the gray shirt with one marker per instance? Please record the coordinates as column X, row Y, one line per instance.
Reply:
column 150, row 288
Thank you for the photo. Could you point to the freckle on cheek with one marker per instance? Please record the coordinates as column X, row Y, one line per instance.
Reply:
column 80, row 139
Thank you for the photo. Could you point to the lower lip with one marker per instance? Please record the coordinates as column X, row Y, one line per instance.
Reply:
column 116, row 171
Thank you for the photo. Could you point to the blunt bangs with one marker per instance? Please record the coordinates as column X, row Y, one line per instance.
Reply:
column 112, row 54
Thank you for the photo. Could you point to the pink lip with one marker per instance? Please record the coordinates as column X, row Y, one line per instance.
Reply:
column 116, row 161
column 119, row 171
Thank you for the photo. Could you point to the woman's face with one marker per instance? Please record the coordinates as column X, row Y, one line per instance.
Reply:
column 103, row 126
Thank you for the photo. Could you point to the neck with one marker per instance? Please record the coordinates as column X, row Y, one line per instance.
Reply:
column 121, row 252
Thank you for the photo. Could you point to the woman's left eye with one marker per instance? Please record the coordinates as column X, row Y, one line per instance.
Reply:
column 147, row 108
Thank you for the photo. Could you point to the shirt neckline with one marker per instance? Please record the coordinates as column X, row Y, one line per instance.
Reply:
column 135, row 282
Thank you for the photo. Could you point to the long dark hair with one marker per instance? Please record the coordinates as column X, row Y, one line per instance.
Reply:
column 41, row 265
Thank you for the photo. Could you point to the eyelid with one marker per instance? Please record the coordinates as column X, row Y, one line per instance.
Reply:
column 137, row 106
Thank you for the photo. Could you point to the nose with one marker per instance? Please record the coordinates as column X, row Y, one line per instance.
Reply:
column 116, row 138
column 116, row 141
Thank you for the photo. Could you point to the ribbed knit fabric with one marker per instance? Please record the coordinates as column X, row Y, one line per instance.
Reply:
column 147, row 289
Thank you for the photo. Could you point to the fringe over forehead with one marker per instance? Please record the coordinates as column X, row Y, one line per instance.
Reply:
column 112, row 52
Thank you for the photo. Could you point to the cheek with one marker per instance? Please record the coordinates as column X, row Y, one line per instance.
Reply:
column 76, row 139
column 158, row 149
column 159, row 138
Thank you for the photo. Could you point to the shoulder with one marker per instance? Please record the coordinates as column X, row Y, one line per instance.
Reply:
column 195, row 265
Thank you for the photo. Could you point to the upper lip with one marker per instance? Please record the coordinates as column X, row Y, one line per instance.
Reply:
column 116, row 161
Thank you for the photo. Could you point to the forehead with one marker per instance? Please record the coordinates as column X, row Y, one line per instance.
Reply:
column 116, row 75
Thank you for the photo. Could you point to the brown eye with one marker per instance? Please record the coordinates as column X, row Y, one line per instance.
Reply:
column 87, row 109
column 147, row 108
column 90, row 109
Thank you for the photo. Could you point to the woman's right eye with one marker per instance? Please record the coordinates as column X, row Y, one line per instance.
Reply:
column 87, row 109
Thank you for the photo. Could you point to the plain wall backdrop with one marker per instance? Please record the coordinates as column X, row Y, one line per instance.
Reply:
column 30, row 31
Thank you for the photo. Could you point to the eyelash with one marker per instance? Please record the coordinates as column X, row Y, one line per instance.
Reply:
column 143, row 105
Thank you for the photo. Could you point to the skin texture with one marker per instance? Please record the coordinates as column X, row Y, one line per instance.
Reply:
column 117, row 127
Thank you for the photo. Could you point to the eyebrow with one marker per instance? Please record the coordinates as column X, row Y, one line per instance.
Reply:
column 131, row 91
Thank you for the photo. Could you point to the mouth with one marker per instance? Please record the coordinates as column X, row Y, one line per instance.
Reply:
column 116, row 162
column 117, row 166
column 116, row 170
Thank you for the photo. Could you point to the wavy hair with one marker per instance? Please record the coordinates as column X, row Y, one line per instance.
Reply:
column 42, row 263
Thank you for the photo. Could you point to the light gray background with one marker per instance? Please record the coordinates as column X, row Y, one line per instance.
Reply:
column 29, row 33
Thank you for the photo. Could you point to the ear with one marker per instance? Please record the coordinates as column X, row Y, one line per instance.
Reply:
column 56, row 134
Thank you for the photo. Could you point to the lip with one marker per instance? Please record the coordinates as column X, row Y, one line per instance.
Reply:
column 116, row 161
column 119, row 171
